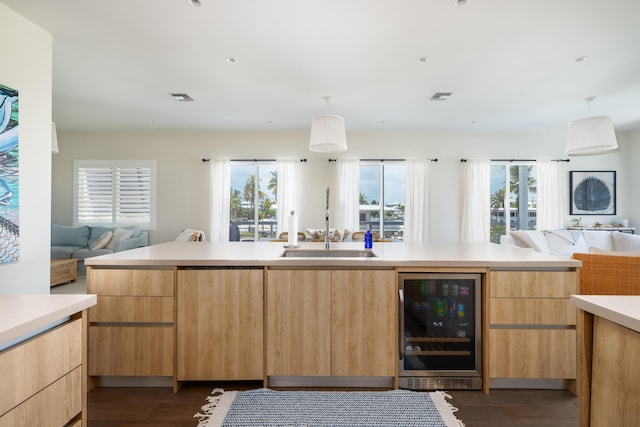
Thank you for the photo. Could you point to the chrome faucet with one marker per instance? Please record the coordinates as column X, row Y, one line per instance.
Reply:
column 327, row 242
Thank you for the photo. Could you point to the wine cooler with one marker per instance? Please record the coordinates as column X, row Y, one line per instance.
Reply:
column 440, row 331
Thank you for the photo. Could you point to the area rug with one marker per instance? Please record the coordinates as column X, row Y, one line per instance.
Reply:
column 265, row 408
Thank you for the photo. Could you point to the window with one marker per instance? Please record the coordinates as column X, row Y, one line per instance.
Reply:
column 253, row 206
column 114, row 192
column 515, row 186
column 382, row 194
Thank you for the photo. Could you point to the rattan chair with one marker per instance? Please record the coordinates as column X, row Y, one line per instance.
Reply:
column 358, row 236
column 609, row 274
column 285, row 235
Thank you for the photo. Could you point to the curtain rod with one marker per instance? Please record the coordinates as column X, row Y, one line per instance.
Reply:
column 520, row 160
column 250, row 160
column 382, row 160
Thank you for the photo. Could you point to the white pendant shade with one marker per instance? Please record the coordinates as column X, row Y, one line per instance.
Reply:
column 54, row 138
column 328, row 134
column 591, row 135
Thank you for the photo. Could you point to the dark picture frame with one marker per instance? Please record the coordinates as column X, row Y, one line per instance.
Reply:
column 592, row 192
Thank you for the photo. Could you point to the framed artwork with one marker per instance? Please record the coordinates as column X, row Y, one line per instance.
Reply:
column 592, row 192
column 9, row 182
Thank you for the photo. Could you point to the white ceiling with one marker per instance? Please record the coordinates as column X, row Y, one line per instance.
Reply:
column 511, row 64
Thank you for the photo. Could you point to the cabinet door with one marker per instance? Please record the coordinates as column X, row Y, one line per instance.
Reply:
column 219, row 324
column 298, row 322
column 364, row 323
column 533, row 353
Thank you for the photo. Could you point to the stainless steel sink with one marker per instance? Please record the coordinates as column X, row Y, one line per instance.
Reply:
column 328, row 253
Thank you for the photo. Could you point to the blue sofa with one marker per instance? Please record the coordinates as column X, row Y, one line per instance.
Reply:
column 76, row 241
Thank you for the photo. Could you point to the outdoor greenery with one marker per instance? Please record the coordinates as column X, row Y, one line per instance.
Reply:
column 243, row 203
column 499, row 225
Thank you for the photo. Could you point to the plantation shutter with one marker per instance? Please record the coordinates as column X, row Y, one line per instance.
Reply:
column 114, row 192
column 133, row 195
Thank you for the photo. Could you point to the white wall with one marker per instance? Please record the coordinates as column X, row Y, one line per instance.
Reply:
column 632, row 187
column 182, row 200
column 26, row 66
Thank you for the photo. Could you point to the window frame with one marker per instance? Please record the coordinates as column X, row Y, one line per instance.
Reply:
column 381, row 219
column 256, row 193
column 114, row 165
column 507, row 196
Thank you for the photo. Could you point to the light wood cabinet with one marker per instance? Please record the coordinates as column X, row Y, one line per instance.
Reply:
column 298, row 330
column 364, row 323
column 220, row 324
column 331, row 322
column 42, row 378
column 131, row 329
column 532, row 324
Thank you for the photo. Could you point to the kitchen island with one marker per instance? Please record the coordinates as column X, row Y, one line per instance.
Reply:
column 609, row 337
column 43, row 359
column 238, row 311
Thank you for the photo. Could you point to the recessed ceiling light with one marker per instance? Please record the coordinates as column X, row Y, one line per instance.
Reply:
column 460, row 2
column 581, row 58
column 423, row 59
column 182, row 97
column 195, row 3
column 231, row 60
column 441, row 96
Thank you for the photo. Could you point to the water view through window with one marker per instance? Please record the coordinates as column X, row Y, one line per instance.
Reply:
column 515, row 186
column 382, row 198
column 254, row 187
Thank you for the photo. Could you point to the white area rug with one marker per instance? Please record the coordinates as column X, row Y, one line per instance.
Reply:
column 265, row 408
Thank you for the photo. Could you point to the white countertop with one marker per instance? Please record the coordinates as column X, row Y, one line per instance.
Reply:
column 621, row 309
column 388, row 255
column 20, row 315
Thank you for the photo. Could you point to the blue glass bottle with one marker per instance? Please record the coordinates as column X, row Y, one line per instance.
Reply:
column 368, row 239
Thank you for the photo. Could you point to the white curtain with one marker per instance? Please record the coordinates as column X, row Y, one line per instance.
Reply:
column 416, row 210
column 550, row 206
column 347, row 199
column 219, row 178
column 286, row 193
column 476, row 214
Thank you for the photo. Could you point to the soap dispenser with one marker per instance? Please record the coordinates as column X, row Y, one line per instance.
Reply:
column 368, row 238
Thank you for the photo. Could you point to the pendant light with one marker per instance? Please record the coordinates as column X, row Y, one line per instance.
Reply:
column 54, row 139
column 591, row 135
column 328, row 134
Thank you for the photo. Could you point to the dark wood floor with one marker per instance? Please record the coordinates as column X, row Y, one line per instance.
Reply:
column 137, row 407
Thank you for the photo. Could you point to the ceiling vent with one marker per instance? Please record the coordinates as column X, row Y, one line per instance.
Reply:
column 441, row 96
column 182, row 97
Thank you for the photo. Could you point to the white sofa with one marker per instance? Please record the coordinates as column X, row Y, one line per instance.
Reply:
column 566, row 242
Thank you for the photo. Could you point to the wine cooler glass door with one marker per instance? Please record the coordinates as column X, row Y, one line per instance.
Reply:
column 440, row 322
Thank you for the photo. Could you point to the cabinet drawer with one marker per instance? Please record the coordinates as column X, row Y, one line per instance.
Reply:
column 531, row 311
column 532, row 353
column 53, row 406
column 539, row 284
column 132, row 309
column 131, row 350
column 32, row 365
column 130, row 282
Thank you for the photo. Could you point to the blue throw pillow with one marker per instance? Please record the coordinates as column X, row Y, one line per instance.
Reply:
column 134, row 228
column 69, row 235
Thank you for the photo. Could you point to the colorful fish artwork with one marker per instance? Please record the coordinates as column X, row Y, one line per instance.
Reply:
column 9, row 177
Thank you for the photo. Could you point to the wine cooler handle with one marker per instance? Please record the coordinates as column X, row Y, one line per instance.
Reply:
column 401, row 323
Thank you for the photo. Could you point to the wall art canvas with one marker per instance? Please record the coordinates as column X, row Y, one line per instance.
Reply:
column 9, row 194
column 593, row 192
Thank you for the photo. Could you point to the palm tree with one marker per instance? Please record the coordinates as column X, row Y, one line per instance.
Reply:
column 497, row 201
column 514, row 181
column 273, row 184
column 363, row 199
column 236, row 204
column 521, row 197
